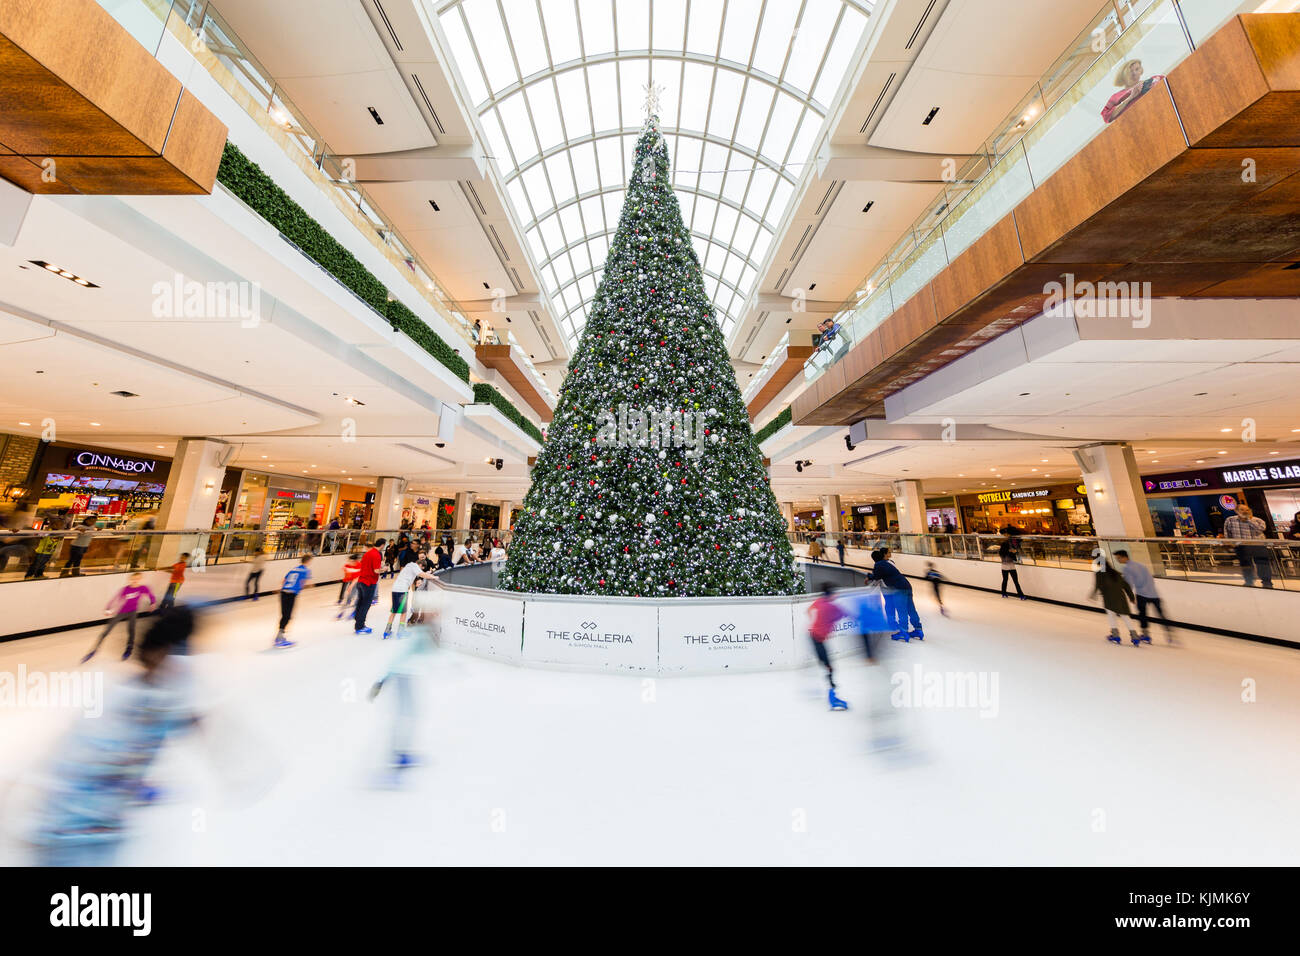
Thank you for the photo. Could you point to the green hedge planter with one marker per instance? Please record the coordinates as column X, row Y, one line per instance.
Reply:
column 247, row 181
column 485, row 394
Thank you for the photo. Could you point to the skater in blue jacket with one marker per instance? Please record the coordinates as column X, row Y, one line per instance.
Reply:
column 898, row 598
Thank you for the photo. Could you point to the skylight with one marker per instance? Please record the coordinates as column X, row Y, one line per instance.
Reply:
column 558, row 86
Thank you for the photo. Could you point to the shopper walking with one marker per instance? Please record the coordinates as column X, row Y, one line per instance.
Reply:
column 1009, row 552
column 84, row 534
column 46, row 548
column 815, row 550
column 1115, row 595
column 124, row 606
column 294, row 582
column 1253, row 558
column 366, row 586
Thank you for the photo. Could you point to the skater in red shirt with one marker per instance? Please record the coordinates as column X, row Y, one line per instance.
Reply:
column 366, row 585
column 822, row 618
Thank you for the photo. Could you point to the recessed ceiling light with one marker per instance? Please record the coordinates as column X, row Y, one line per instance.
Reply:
column 1155, row 461
column 95, row 424
column 1223, row 453
column 1200, row 461
column 26, row 424
column 64, row 273
column 157, row 446
column 1225, row 429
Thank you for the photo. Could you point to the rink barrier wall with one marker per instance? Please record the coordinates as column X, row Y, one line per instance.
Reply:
column 1268, row 616
column 633, row 635
column 58, row 604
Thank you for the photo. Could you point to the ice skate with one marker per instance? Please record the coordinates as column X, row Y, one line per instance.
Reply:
column 835, row 702
column 917, row 633
column 1114, row 637
column 899, row 636
column 1136, row 638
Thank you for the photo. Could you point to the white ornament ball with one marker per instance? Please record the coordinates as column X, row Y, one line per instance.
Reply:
column 556, row 546
column 589, row 544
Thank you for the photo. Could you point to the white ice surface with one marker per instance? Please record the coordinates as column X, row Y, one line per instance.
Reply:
column 1097, row 754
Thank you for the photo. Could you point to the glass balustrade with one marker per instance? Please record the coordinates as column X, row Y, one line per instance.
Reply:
column 1052, row 123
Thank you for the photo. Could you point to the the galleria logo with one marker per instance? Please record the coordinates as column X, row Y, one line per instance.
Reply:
column 587, row 634
column 657, row 428
column 726, row 636
column 480, row 623
column 90, row 459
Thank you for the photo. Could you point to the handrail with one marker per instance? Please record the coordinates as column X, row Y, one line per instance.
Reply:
column 1271, row 562
column 1016, row 151
column 123, row 550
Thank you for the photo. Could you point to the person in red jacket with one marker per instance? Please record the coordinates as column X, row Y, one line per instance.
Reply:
column 822, row 617
column 367, row 584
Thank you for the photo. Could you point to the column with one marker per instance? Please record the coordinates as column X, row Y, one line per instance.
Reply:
column 389, row 492
column 1115, row 498
column 909, row 501
column 190, row 501
column 831, row 513
column 464, row 508
column 787, row 512
column 503, row 519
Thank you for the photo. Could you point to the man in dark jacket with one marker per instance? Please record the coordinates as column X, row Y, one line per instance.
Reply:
column 899, row 605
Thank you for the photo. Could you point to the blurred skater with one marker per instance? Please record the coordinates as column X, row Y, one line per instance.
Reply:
column 936, row 581
column 347, row 588
column 254, row 580
column 294, row 582
column 1115, row 596
column 1142, row 582
column 124, row 606
column 823, row 615
column 1009, row 553
column 402, row 676
column 99, row 767
column 174, row 582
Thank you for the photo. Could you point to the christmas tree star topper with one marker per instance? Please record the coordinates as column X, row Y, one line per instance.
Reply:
column 653, row 92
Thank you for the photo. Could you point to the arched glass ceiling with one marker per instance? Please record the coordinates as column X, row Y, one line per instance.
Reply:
column 559, row 87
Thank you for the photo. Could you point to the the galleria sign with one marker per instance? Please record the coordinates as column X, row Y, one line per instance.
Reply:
column 134, row 466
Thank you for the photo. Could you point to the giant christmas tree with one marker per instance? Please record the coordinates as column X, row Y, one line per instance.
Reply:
column 650, row 482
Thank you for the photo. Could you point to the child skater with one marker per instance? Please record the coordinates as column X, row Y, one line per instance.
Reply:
column 823, row 615
column 125, row 605
column 401, row 589
column 936, row 579
column 294, row 582
column 347, row 590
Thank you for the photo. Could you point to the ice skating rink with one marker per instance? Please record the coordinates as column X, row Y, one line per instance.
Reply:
column 1090, row 754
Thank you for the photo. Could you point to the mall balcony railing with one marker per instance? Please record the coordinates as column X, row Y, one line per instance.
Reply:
column 1058, row 117
column 201, row 21
column 1202, row 560
column 118, row 551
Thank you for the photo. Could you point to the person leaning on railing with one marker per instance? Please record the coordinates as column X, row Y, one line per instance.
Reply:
column 1253, row 558
column 1128, row 76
